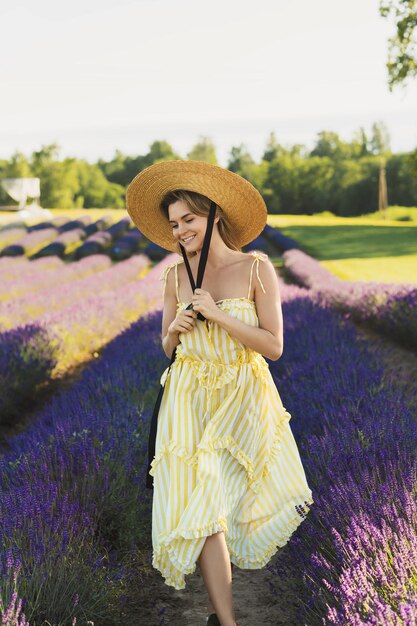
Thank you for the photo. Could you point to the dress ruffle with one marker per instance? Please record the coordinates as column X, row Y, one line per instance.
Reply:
column 213, row 375
column 216, row 374
column 227, row 443
column 257, row 560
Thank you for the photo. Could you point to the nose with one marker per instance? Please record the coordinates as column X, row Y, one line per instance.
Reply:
column 182, row 230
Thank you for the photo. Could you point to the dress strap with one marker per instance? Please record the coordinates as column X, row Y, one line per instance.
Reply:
column 258, row 257
column 164, row 276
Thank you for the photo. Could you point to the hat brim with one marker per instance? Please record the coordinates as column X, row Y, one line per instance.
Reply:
column 239, row 199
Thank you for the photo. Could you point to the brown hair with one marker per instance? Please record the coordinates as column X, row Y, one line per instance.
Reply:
column 200, row 205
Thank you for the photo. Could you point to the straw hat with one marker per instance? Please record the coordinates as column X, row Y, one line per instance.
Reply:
column 238, row 198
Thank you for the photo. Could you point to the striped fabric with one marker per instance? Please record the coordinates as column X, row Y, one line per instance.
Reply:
column 225, row 456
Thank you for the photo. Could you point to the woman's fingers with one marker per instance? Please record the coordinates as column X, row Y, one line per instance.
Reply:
column 186, row 320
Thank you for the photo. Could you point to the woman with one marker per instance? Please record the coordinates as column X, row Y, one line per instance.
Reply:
column 229, row 483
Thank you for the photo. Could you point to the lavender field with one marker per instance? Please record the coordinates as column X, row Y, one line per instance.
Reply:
column 80, row 362
column 388, row 307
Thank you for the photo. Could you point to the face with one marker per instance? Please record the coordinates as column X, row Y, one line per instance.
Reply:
column 187, row 227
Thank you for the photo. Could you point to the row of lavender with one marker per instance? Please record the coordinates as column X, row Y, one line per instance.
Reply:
column 388, row 307
column 76, row 239
column 79, row 238
column 75, row 513
column 358, row 551
column 57, row 316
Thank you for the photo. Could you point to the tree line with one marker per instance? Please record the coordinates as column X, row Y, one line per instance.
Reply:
column 335, row 175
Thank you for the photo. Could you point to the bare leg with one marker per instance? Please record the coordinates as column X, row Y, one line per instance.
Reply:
column 215, row 566
column 210, row 606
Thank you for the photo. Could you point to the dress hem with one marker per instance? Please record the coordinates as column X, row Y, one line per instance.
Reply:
column 174, row 576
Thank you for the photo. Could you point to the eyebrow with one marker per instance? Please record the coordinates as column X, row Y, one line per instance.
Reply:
column 186, row 215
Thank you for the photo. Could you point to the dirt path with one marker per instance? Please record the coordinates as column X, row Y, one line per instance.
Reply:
column 400, row 363
column 260, row 598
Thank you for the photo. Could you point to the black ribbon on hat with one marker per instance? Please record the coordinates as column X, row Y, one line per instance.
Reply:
column 200, row 274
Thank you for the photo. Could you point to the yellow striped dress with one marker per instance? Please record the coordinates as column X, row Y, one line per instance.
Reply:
column 225, row 456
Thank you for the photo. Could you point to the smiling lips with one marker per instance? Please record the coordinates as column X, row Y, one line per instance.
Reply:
column 188, row 239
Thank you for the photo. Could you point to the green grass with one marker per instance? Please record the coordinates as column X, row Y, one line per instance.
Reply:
column 360, row 242
column 368, row 248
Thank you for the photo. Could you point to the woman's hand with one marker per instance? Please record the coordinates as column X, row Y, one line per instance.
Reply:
column 183, row 323
column 203, row 303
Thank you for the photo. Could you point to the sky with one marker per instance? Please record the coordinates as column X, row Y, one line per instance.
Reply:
column 99, row 75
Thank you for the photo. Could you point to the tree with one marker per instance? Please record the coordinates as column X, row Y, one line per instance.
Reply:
column 122, row 169
column 412, row 163
column 272, row 149
column 203, row 150
column 17, row 167
column 58, row 178
column 402, row 54
column 315, row 184
column 94, row 190
column 360, row 143
column 380, row 140
column 299, row 151
column 161, row 151
column 242, row 163
column 401, row 172
column 282, row 185
column 240, row 159
column 46, row 155
column 59, row 184
column 330, row 145
column 114, row 170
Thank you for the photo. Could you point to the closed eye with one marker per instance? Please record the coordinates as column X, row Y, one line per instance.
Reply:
column 187, row 221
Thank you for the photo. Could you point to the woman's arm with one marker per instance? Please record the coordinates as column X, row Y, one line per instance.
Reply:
column 170, row 339
column 169, row 342
column 268, row 339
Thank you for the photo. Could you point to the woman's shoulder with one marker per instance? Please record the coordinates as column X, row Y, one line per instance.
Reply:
column 166, row 269
column 254, row 255
column 246, row 256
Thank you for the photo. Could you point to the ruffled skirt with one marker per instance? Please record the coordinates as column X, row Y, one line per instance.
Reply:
column 225, row 460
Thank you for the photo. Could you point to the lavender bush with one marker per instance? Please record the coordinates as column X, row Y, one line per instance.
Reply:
column 24, row 283
column 14, row 267
column 77, row 281
column 64, row 244
column 103, row 240
column 388, row 307
column 127, row 245
column 31, row 242
column 8, row 237
column 27, row 359
column 77, row 474
column 356, row 551
column 77, row 224
column 80, row 319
